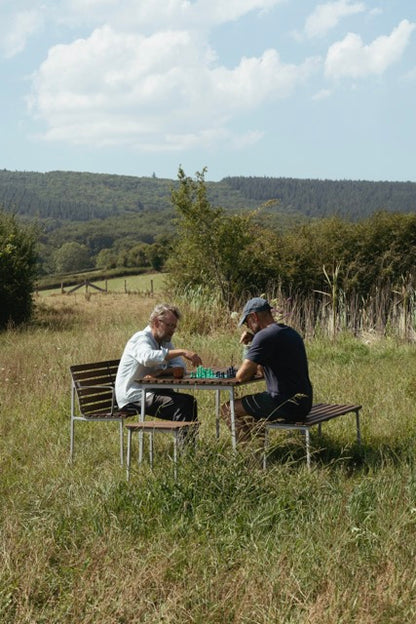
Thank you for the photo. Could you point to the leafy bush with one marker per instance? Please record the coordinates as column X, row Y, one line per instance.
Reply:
column 17, row 270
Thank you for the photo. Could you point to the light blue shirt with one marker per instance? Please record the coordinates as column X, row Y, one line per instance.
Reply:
column 142, row 355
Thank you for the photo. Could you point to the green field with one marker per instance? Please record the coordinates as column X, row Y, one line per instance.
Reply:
column 145, row 283
column 227, row 542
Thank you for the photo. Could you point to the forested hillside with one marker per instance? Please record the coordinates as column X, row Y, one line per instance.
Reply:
column 71, row 196
column 322, row 198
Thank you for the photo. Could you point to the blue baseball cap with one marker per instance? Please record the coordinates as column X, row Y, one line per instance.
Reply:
column 257, row 304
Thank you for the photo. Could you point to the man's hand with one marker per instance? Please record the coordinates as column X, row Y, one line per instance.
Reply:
column 153, row 376
column 246, row 337
column 189, row 355
column 193, row 358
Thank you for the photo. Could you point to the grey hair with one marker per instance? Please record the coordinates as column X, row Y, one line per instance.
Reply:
column 161, row 310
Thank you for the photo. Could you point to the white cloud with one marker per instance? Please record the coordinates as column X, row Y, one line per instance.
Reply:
column 162, row 90
column 19, row 19
column 16, row 30
column 161, row 13
column 352, row 58
column 327, row 16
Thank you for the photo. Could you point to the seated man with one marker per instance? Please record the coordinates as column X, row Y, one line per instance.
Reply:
column 279, row 353
column 150, row 352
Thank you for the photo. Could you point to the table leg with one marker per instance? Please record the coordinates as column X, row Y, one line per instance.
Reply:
column 141, row 419
column 232, row 418
column 128, row 459
column 217, row 413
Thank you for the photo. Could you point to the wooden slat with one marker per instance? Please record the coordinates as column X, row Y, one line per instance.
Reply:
column 94, row 365
column 161, row 425
column 319, row 413
column 325, row 411
column 95, row 373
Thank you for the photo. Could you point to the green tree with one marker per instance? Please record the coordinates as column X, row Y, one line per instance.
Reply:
column 72, row 257
column 137, row 255
column 106, row 259
column 212, row 251
column 17, row 270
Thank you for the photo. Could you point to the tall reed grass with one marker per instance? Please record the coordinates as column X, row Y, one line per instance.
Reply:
column 385, row 312
column 227, row 542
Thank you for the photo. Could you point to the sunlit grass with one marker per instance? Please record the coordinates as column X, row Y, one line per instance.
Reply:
column 227, row 542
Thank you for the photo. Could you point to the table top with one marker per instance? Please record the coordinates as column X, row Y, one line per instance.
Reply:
column 187, row 380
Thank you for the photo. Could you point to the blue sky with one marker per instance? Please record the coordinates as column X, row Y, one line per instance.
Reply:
column 292, row 88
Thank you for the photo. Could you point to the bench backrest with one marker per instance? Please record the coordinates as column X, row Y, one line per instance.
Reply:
column 94, row 386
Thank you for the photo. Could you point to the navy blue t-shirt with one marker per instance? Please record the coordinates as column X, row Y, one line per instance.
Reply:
column 280, row 350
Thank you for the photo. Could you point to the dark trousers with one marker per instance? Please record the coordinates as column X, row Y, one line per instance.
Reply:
column 171, row 405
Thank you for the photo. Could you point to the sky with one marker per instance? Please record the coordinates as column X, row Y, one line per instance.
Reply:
column 279, row 88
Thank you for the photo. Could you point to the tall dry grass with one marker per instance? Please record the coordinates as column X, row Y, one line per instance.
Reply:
column 227, row 542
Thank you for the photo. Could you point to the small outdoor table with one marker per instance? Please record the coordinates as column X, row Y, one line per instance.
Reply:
column 188, row 382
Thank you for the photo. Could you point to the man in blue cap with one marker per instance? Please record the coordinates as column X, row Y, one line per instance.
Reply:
column 278, row 351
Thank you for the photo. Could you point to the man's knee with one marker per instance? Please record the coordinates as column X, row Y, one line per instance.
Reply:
column 225, row 411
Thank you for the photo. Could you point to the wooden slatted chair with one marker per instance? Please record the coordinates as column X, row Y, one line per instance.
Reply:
column 93, row 398
column 321, row 412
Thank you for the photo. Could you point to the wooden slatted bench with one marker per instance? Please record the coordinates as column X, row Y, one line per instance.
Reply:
column 93, row 399
column 321, row 412
column 150, row 427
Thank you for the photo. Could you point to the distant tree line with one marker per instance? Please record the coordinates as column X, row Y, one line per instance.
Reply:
column 352, row 199
column 232, row 257
column 65, row 196
column 71, row 196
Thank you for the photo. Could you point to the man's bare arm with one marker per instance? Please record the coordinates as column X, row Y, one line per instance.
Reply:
column 246, row 371
column 189, row 355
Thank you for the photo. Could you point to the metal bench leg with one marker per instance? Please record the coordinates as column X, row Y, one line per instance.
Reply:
column 121, row 444
column 357, row 420
column 151, row 449
column 128, row 459
column 195, row 436
column 175, row 454
column 308, row 449
column 265, row 447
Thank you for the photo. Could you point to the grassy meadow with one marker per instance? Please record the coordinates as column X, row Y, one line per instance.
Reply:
column 228, row 542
